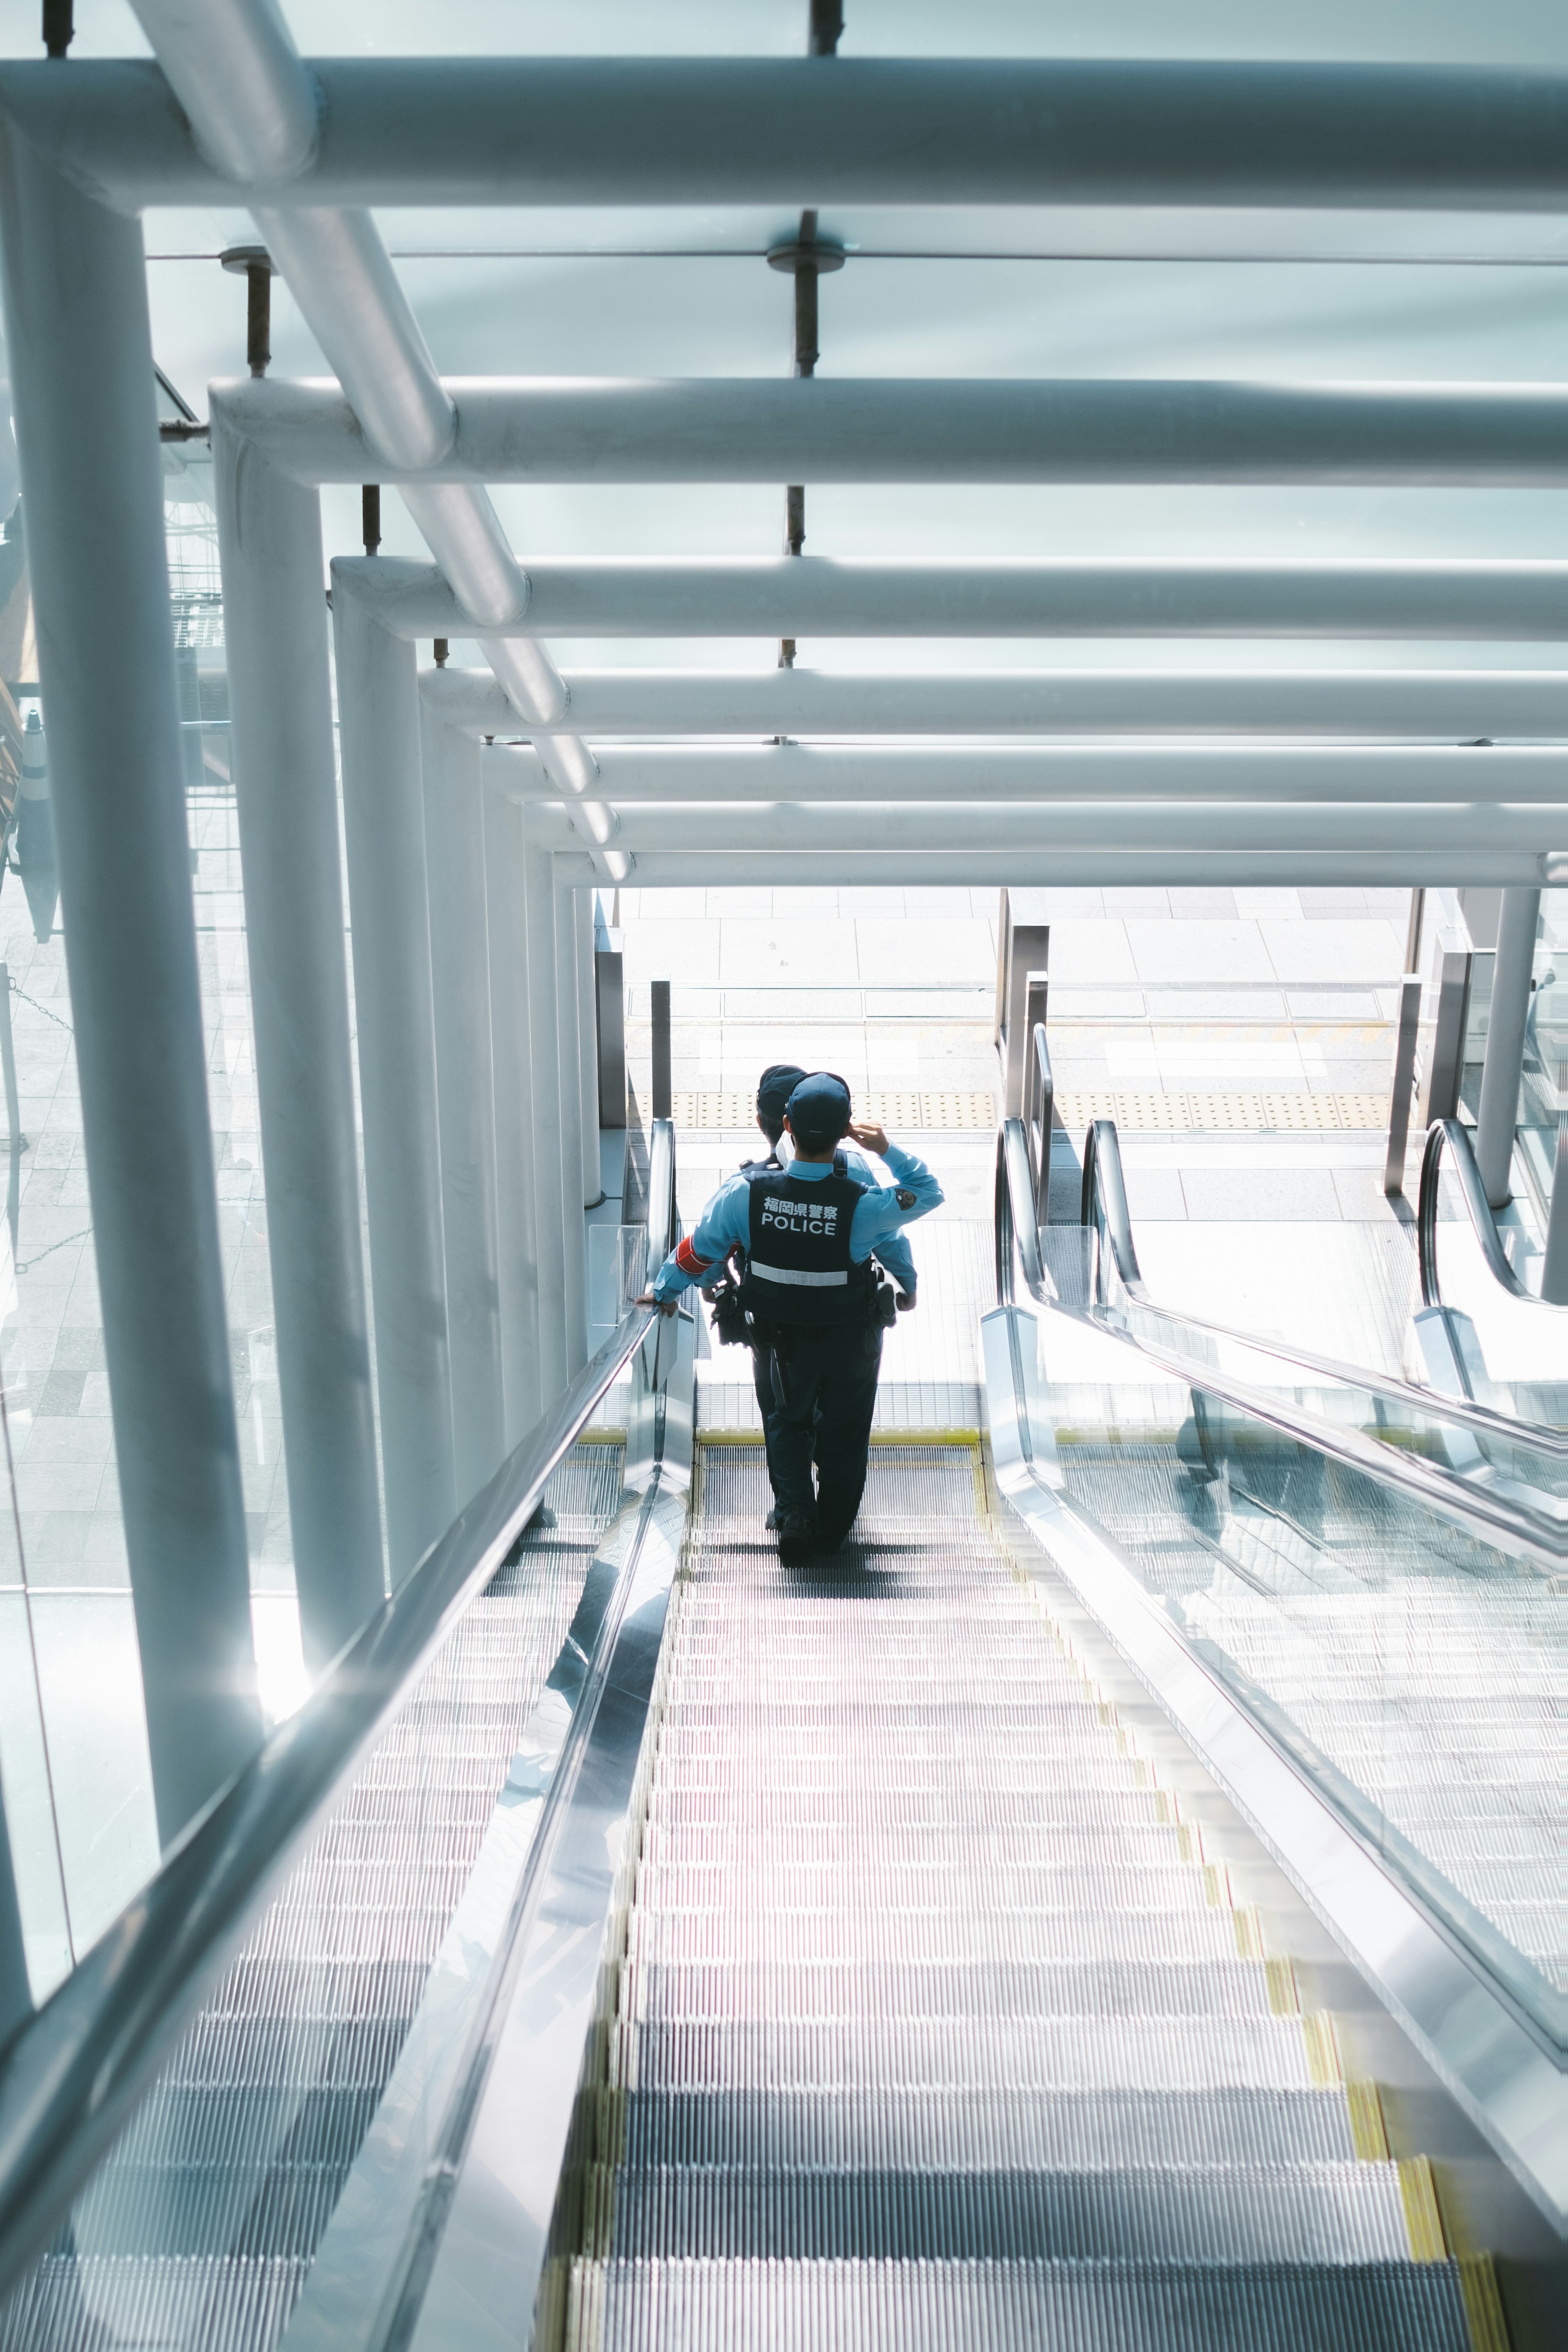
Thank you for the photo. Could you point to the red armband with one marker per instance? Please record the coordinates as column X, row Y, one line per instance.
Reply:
column 687, row 1259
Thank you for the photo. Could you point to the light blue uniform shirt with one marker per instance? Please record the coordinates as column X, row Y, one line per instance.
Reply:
column 726, row 1222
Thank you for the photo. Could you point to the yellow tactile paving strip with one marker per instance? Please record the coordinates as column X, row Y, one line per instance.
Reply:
column 1134, row 1113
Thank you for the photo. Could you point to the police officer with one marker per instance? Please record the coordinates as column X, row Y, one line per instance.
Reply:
column 811, row 1292
column 892, row 1250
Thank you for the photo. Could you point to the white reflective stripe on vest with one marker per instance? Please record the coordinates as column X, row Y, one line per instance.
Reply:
column 791, row 1273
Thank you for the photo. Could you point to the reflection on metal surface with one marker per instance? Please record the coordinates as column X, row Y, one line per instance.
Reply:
column 1495, row 2066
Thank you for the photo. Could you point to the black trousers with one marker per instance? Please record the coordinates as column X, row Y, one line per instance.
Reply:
column 823, row 1394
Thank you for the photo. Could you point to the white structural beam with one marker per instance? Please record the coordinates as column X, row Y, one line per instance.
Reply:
column 782, row 133
column 1106, row 827
column 1452, row 705
column 1414, row 866
column 1020, row 774
column 803, row 429
column 807, row 596
column 254, row 107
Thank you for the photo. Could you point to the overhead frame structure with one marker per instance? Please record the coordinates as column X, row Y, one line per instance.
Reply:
column 231, row 113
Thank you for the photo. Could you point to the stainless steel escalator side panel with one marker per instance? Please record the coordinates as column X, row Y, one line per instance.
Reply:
column 1472, row 1421
column 1498, row 2070
column 472, row 2280
column 76, row 2072
column 359, row 2274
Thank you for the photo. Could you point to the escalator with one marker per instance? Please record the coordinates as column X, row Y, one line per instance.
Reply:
column 1482, row 1334
column 1465, row 1425
column 885, row 1950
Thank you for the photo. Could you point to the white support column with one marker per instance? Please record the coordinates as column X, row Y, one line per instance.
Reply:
column 587, row 1047
column 82, row 398
column 1498, row 1113
column 270, row 534
column 384, row 820
column 459, row 963
column 506, row 901
column 573, row 1231
column 544, row 1136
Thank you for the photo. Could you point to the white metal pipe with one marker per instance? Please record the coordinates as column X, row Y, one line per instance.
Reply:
column 830, row 830
column 807, row 596
column 1416, row 866
column 460, row 966
column 82, row 399
column 285, row 787
column 383, row 824
column 569, row 1130
column 1452, row 705
column 780, row 132
column 1077, row 429
column 249, row 96
column 517, row 1262
column 1498, row 1116
column 587, row 1048
column 464, row 534
column 909, row 774
column 251, row 104
column 545, row 1126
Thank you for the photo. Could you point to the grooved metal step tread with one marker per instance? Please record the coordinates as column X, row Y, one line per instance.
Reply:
column 995, row 2307
column 1343, row 2213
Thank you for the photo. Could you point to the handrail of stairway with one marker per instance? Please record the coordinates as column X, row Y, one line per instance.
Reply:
column 72, row 2075
column 1493, row 1517
column 1105, row 1211
column 1448, row 1135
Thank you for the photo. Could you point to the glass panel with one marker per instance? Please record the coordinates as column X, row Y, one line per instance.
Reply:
column 1417, row 1671
column 201, row 2224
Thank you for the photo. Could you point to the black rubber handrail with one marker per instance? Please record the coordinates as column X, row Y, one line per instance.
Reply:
column 1105, row 1212
column 1493, row 1517
column 71, row 2076
column 1448, row 1135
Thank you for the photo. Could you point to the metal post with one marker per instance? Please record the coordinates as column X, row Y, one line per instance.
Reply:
column 286, row 789
column 610, row 1016
column 460, row 962
column 1500, row 1072
column 544, row 1056
column 15, row 1987
column 1444, row 1070
column 587, row 1056
column 16, row 1142
column 1404, row 1080
column 1413, row 931
column 660, row 991
column 383, row 821
column 517, row 1262
column 1554, row 1263
column 1028, row 956
column 82, row 398
column 574, row 1232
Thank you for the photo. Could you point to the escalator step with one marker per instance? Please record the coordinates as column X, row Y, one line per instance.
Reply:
column 1342, row 2213
column 995, row 2307
column 886, row 2127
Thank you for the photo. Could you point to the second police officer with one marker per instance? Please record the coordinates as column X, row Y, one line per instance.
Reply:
column 811, row 1299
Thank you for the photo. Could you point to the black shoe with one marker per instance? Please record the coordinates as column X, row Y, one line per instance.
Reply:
column 772, row 1522
column 797, row 1534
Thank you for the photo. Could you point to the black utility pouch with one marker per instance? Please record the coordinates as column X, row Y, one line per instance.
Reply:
column 729, row 1316
column 884, row 1307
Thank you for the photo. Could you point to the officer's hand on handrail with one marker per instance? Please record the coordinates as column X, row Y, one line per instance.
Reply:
column 665, row 1306
column 870, row 1136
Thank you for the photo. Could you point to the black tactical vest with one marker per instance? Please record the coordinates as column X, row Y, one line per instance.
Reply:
column 798, row 1268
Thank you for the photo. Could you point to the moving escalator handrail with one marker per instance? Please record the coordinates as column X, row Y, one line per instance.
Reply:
column 71, row 2076
column 1493, row 1517
column 1448, row 1135
column 1105, row 1212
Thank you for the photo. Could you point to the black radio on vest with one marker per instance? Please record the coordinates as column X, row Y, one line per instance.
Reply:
column 798, row 1267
